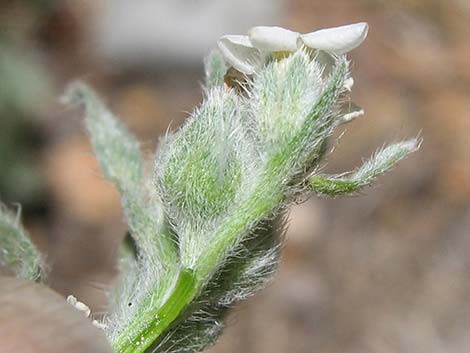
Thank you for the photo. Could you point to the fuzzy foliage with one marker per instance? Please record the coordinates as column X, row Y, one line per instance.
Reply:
column 215, row 69
column 150, row 275
column 207, row 229
column 248, row 269
column 282, row 98
column 204, row 170
column 17, row 252
column 349, row 183
column 212, row 234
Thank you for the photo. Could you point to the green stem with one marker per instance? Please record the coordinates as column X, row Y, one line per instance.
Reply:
column 334, row 187
column 188, row 283
column 143, row 332
column 269, row 193
column 158, row 319
column 261, row 203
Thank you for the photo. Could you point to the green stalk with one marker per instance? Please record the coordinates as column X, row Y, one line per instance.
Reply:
column 189, row 282
column 256, row 208
column 158, row 319
column 267, row 196
column 270, row 193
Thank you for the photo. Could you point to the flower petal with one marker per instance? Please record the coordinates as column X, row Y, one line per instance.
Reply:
column 272, row 38
column 239, row 53
column 348, row 84
column 337, row 40
column 326, row 60
column 350, row 111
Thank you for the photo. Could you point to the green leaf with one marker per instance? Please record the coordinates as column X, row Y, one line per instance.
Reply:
column 215, row 69
column 17, row 252
column 116, row 149
column 381, row 162
column 121, row 161
column 204, row 170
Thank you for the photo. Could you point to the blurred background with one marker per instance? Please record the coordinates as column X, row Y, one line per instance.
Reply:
column 387, row 271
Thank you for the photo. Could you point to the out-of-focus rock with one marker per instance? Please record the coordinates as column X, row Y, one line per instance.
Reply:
column 34, row 319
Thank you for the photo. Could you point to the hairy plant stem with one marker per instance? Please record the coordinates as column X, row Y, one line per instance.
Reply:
column 270, row 193
column 265, row 198
column 189, row 282
column 159, row 319
column 231, row 232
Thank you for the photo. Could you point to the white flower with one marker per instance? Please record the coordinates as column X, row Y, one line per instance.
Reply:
column 79, row 305
column 274, row 39
column 348, row 84
column 349, row 112
column 247, row 53
column 337, row 40
column 240, row 53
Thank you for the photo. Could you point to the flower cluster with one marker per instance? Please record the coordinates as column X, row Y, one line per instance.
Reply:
column 247, row 53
